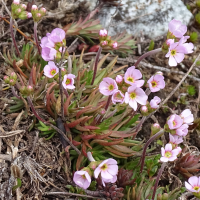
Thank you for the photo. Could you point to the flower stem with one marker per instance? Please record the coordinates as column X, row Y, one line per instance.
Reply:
column 14, row 92
column 149, row 53
column 95, row 64
column 13, row 37
column 158, row 178
column 146, row 146
column 36, row 38
column 108, row 102
column 61, row 93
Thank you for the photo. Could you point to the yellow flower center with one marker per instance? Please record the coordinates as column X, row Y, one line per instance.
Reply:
column 68, row 81
column 173, row 52
column 104, row 167
column 83, row 176
column 130, row 79
column 168, row 154
column 133, row 95
column 118, row 96
column 53, row 71
column 196, row 187
column 110, row 87
column 154, row 83
column 174, row 123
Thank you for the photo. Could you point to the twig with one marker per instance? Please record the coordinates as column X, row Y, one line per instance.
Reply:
column 12, row 133
column 6, row 157
column 70, row 194
column 72, row 44
column 36, row 38
column 34, row 143
column 54, row 127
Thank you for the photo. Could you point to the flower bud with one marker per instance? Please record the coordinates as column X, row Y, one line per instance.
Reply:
column 38, row 15
column 102, row 111
column 18, row 11
column 34, row 8
column 23, row 90
column 16, row 2
column 124, row 89
column 23, row 6
column 43, row 11
column 114, row 45
column 63, row 71
column 13, row 75
column 144, row 110
column 12, row 82
column 103, row 33
column 119, row 79
column 29, row 90
column 155, row 128
column 6, row 79
column 159, row 197
column 93, row 165
column 104, row 43
column 165, row 196
column 159, row 73
column 25, row 15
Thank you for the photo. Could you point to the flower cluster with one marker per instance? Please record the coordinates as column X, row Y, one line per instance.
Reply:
column 128, row 88
column 105, row 40
column 51, row 71
column 37, row 14
column 12, row 79
column 193, row 185
column 53, row 45
column 107, row 170
column 19, row 10
column 177, row 126
column 176, row 43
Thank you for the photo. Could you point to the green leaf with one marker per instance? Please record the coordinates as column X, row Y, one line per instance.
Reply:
column 19, row 184
column 130, row 123
column 104, row 125
column 191, row 90
column 89, row 76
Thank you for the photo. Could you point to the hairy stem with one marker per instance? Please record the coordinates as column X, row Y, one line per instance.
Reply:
column 13, row 37
column 146, row 146
column 158, row 178
column 95, row 64
column 36, row 38
column 14, row 92
column 61, row 94
column 108, row 102
column 149, row 53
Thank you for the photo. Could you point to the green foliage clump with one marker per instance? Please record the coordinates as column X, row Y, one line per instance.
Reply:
column 191, row 90
column 193, row 37
column 197, row 17
column 198, row 3
column 151, row 45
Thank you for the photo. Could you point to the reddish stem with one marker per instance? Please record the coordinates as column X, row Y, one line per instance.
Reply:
column 149, row 53
column 36, row 38
column 13, row 37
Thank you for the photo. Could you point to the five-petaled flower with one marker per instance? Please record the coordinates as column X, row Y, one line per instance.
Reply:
column 182, row 130
column 176, row 28
column 187, row 117
column 193, row 185
column 118, row 96
column 175, row 139
column 132, row 76
column 50, row 70
column 168, row 154
column 156, row 82
column 135, row 95
column 108, row 169
column 154, row 102
column 82, row 179
column 68, row 81
column 174, row 121
column 108, row 86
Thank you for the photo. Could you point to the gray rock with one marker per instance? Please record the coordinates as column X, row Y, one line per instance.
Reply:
column 147, row 17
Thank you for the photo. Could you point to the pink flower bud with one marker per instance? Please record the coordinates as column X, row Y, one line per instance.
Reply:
column 24, row 6
column 114, row 45
column 155, row 128
column 13, row 76
column 19, row 10
column 144, row 110
column 16, row 2
column 104, row 43
column 34, row 7
column 38, row 14
column 103, row 33
column 119, row 79
column 12, row 82
column 6, row 79
column 43, row 10
column 29, row 89
column 159, row 73
column 29, row 15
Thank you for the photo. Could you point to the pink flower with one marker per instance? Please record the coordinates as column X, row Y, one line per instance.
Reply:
column 118, row 96
column 177, row 28
column 175, row 139
column 103, row 33
column 119, row 79
column 82, row 179
column 182, row 131
column 29, row 15
column 24, row 6
column 132, row 75
column 108, row 86
column 43, row 10
column 193, row 185
column 154, row 102
column 104, row 43
column 38, row 14
column 68, row 81
column 46, row 42
column 176, row 53
column 108, row 169
column 113, row 180
column 174, row 121
column 51, row 69
column 114, row 45
column 179, row 149
column 169, row 42
column 156, row 82
column 168, row 154
column 144, row 109
column 135, row 95
column 16, row 2
column 48, row 53
column 57, row 35
column 34, row 7
column 187, row 117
